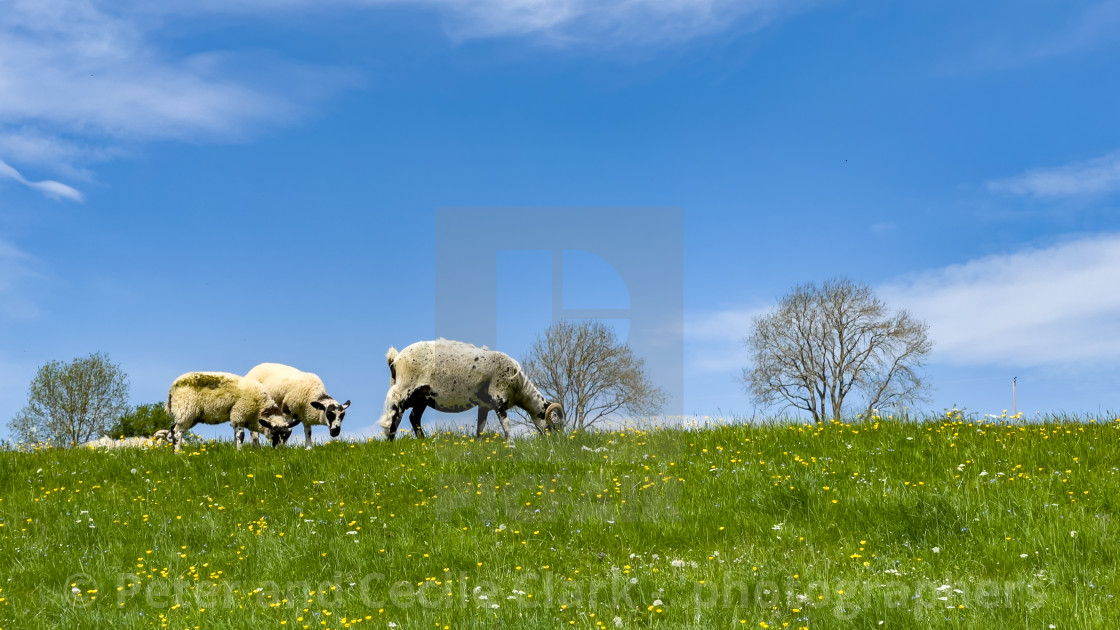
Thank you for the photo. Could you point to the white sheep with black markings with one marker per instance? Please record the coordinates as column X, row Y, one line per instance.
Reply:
column 302, row 397
column 217, row 397
column 452, row 376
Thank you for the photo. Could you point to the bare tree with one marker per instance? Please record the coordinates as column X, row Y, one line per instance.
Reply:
column 69, row 403
column 824, row 346
column 585, row 367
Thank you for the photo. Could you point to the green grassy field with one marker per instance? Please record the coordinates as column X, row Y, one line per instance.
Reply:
column 950, row 523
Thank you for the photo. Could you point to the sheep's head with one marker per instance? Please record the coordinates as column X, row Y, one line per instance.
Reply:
column 554, row 417
column 333, row 413
column 276, row 426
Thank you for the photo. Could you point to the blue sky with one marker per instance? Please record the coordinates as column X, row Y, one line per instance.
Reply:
column 209, row 185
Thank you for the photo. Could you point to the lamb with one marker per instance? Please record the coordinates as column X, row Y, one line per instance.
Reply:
column 302, row 397
column 217, row 397
column 452, row 376
column 129, row 442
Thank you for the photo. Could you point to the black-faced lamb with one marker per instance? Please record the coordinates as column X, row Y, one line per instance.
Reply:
column 452, row 376
column 217, row 397
column 302, row 397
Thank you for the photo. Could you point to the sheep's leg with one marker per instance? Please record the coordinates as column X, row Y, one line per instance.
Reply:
column 255, row 436
column 177, row 438
column 414, row 418
column 239, row 436
column 503, row 419
column 482, row 411
column 307, row 434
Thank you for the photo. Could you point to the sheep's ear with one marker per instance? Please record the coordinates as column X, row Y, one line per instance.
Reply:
column 346, row 404
column 293, row 423
column 318, row 405
column 268, row 424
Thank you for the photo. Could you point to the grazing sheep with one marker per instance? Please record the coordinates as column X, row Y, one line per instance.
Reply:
column 453, row 376
column 217, row 397
column 130, row 442
column 302, row 397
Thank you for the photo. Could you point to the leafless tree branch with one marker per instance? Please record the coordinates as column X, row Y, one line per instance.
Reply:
column 585, row 367
column 823, row 346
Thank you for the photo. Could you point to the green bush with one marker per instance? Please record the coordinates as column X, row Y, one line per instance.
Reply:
column 142, row 421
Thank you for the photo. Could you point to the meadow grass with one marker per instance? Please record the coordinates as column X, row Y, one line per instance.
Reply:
column 951, row 523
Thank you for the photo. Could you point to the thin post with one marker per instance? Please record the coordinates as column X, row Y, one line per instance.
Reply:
column 1014, row 403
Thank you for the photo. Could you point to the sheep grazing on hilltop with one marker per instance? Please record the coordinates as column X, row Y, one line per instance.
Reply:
column 217, row 397
column 452, row 376
column 155, row 441
column 302, row 397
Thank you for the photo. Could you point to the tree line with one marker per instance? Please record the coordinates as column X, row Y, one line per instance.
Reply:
column 820, row 350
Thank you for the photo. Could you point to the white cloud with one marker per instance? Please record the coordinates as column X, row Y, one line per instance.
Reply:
column 1098, row 176
column 80, row 79
column 77, row 83
column 30, row 146
column 50, row 188
column 1052, row 306
column 606, row 22
column 599, row 23
column 729, row 324
column 67, row 63
column 1085, row 30
column 1093, row 26
column 714, row 339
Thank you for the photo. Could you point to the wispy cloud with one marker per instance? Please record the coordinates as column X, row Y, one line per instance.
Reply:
column 49, row 187
column 1088, row 29
column 598, row 23
column 1051, row 306
column 77, row 82
column 714, row 339
column 1084, row 29
column 607, row 22
column 79, row 79
column 1098, row 176
column 70, row 65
